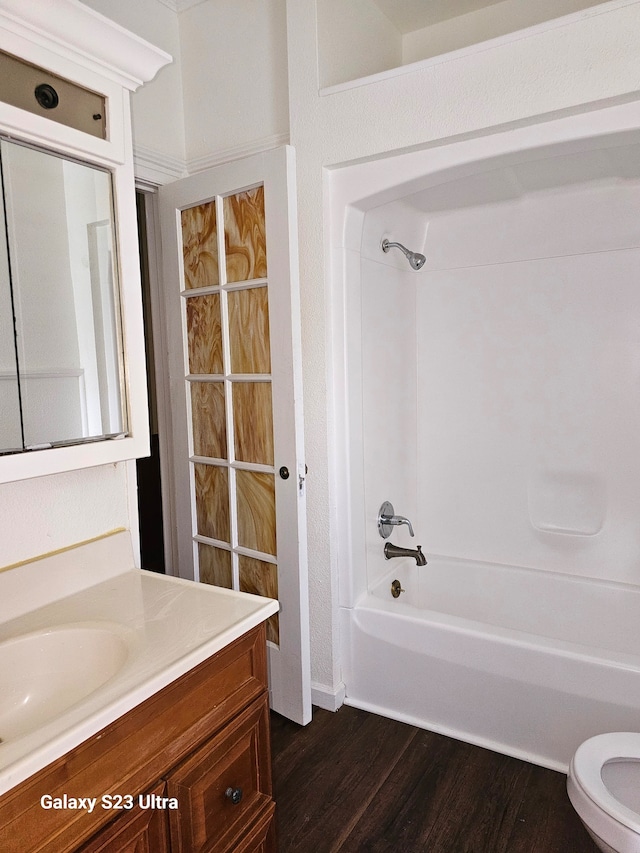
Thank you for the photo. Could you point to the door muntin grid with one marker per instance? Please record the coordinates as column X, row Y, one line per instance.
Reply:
column 229, row 399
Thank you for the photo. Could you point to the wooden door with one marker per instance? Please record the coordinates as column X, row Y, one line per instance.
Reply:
column 231, row 300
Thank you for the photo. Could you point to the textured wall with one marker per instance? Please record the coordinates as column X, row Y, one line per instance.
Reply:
column 157, row 107
column 234, row 67
column 355, row 39
column 490, row 22
column 47, row 513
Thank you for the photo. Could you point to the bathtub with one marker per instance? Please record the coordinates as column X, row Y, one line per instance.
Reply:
column 528, row 663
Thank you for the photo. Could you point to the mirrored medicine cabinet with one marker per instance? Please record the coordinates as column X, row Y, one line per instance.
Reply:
column 61, row 352
column 73, row 391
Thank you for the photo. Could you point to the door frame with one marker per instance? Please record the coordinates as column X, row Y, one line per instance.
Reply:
column 153, row 251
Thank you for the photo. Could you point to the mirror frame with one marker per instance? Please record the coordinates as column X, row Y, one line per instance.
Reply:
column 85, row 48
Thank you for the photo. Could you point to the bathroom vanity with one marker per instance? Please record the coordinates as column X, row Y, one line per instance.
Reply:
column 169, row 745
column 187, row 770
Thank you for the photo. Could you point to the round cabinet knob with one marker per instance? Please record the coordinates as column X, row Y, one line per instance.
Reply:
column 284, row 472
column 234, row 794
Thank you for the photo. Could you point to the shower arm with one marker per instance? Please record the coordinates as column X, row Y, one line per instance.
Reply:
column 416, row 260
column 388, row 244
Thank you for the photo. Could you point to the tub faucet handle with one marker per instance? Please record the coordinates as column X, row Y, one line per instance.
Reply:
column 387, row 520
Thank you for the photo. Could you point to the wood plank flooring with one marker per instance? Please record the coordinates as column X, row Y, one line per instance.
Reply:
column 354, row 781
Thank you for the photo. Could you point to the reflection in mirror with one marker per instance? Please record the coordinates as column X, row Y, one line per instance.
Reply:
column 10, row 429
column 61, row 264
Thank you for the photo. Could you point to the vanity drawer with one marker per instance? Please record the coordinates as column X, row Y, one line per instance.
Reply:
column 132, row 753
column 224, row 786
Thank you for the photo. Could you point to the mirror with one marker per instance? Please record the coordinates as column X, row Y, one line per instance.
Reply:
column 61, row 358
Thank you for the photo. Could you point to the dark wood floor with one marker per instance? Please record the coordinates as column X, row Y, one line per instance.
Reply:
column 354, row 781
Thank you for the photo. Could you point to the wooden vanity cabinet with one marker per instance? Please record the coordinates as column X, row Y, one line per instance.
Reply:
column 219, row 787
column 135, row 831
column 202, row 741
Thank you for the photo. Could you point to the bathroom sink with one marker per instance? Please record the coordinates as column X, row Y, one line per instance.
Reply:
column 44, row 673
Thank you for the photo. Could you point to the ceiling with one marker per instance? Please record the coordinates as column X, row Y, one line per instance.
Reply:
column 410, row 15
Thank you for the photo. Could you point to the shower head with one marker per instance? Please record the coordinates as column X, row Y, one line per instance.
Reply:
column 415, row 259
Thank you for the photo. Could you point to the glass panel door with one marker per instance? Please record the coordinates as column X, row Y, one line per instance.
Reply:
column 238, row 503
column 229, row 362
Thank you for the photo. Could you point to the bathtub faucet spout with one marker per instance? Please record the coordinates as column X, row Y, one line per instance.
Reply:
column 391, row 551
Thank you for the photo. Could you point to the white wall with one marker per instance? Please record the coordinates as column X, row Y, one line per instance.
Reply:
column 234, row 67
column 224, row 95
column 568, row 68
column 487, row 23
column 157, row 107
column 355, row 39
column 47, row 513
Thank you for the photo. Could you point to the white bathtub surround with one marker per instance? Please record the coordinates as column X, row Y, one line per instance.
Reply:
column 166, row 625
column 492, row 398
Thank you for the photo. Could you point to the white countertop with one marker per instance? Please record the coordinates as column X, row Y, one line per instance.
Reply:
column 169, row 625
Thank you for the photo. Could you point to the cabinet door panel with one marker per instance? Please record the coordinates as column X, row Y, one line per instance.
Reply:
column 261, row 837
column 223, row 786
column 136, row 831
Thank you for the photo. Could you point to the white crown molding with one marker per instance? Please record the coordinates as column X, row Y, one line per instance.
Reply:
column 92, row 40
column 154, row 169
column 236, row 152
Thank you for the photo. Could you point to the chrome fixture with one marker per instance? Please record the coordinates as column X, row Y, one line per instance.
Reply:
column 391, row 551
column 415, row 259
column 387, row 520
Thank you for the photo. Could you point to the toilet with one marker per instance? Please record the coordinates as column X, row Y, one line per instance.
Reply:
column 604, row 788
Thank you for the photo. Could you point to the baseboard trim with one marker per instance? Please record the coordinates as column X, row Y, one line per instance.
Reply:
column 327, row 698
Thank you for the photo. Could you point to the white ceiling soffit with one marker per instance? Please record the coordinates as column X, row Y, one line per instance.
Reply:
column 410, row 15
